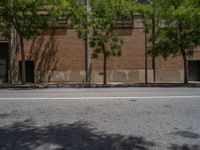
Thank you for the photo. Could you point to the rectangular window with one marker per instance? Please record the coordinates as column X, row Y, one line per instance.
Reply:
column 124, row 23
column 54, row 22
column 83, row 2
column 143, row 1
column 138, row 21
column 130, row 23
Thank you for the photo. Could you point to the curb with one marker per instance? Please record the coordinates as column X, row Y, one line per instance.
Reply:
column 42, row 86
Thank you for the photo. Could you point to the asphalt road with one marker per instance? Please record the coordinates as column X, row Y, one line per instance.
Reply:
column 100, row 119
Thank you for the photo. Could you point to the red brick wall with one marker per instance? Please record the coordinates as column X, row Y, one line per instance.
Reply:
column 56, row 50
column 62, row 50
column 132, row 53
column 176, row 62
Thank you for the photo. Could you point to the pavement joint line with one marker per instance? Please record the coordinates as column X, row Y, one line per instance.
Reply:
column 93, row 98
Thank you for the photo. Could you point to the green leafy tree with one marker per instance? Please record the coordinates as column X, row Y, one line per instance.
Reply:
column 25, row 17
column 147, row 11
column 22, row 15
column 180, row 30
column 99, row 24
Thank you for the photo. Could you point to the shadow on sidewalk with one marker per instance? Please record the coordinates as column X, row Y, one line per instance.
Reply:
column 77, row 136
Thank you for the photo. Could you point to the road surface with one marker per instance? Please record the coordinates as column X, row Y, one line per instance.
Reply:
column 100, row 119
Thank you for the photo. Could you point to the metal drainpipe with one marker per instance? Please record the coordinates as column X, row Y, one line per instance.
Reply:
column 146, row 62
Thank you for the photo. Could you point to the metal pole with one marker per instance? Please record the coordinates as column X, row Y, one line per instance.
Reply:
column 146, row 63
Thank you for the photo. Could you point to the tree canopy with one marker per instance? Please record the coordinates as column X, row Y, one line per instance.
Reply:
column 178, row 32
column 100, row 24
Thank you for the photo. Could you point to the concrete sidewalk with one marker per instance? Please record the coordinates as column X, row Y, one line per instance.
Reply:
column 96, row 85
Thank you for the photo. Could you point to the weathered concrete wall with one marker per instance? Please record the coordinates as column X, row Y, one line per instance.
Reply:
column 133, row 76
column 169, row 75
column 136, row 76
column 59, row 76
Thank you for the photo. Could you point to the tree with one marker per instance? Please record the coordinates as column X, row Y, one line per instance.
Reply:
column 180, row 30
column 148, row 14
column 99, row 29
column 23, row 16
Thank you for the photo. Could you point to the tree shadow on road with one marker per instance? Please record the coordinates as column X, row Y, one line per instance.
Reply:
column 77, row 136
column 184, row 147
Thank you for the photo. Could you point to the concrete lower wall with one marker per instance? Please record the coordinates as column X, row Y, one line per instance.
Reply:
column 60, row 76
column 121, row 76
column 170, row 75
column 136, row 76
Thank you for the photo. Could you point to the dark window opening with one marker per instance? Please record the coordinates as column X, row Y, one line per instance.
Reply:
column 131, row 23
column 4, row 48
column 83, row 2
column 53, row 22
column 143, row 1
column 124, row 23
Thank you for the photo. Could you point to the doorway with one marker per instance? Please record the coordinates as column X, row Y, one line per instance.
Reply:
column 30, row 67
column 4, row 48
column 194, row 70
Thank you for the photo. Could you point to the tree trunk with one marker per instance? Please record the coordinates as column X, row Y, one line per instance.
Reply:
column 12, row 57
column 86, row 61
column 23, row 65
column 185, row 70
column 104, row 69
column 185, row 66
column 153, row 44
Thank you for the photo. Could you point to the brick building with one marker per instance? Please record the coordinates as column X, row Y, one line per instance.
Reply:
column 58, row 55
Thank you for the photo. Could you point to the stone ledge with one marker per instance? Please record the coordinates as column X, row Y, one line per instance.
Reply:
column 82, row 85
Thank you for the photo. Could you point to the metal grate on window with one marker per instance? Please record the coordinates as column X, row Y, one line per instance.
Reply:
column 138, row 21
column 124, row 23
column 54, row 22
column 83, row 2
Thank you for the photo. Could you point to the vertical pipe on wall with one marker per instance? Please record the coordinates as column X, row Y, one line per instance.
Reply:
column 146, row 62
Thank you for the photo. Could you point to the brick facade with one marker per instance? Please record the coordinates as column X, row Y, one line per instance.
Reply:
column 59, row 56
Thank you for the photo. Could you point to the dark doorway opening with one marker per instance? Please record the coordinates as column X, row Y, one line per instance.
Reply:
column 30, row 67
column 4, row 48
column 194, row 70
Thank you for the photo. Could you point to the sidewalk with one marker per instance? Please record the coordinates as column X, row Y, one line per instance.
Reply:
column 96, row 85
